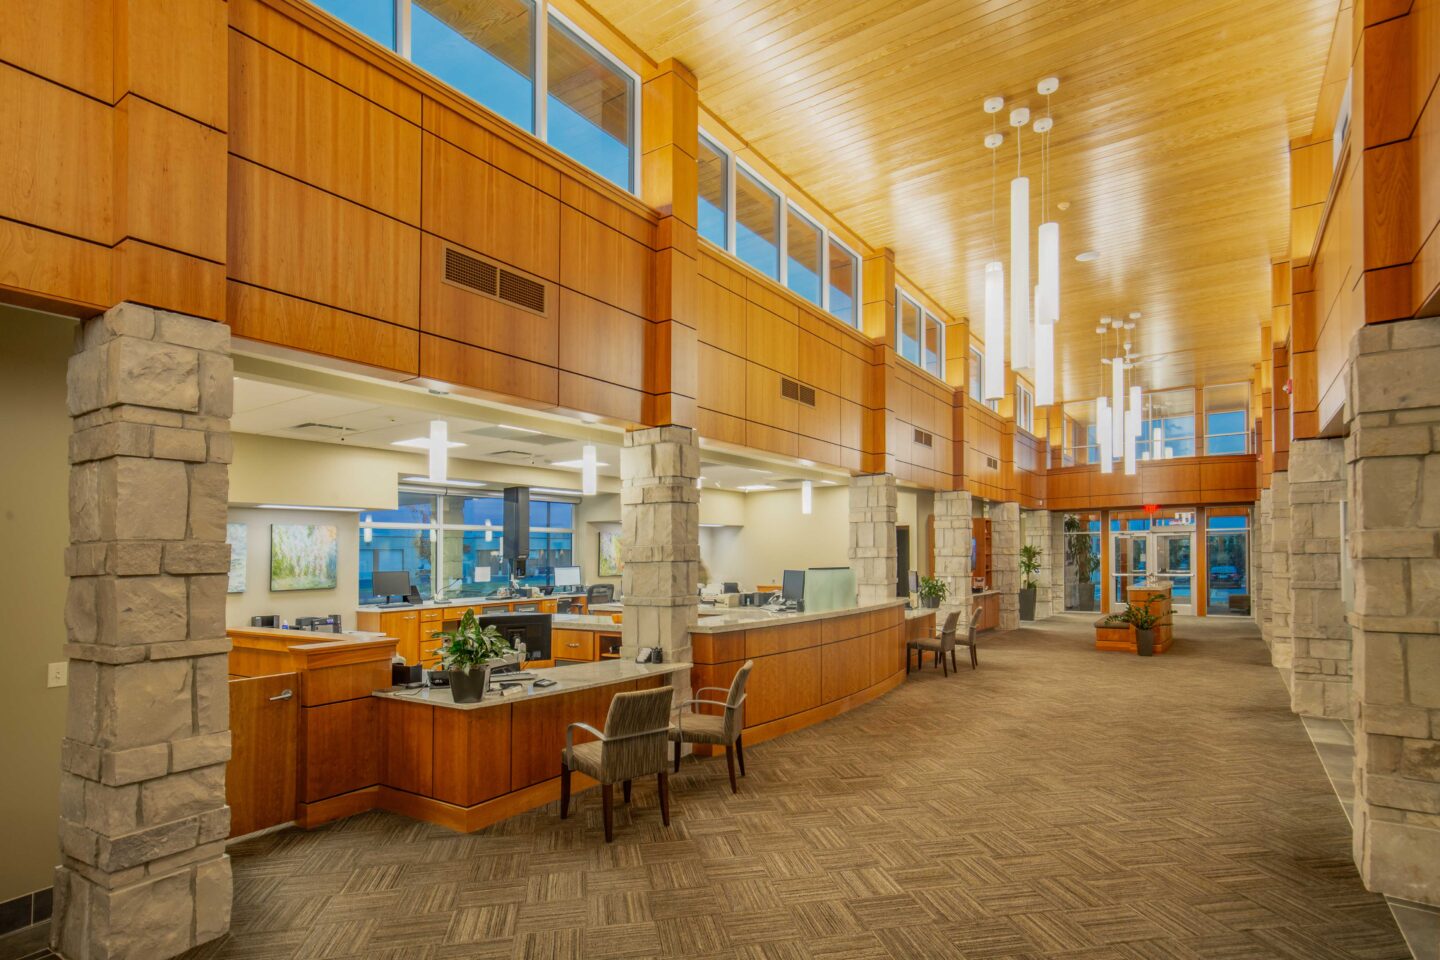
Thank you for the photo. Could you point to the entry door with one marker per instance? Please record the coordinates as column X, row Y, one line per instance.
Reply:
column 1130, row 556
column 1174, row 555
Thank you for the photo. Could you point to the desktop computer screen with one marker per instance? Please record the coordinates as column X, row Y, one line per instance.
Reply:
column 391, row 583
column 792, row 585
column 567, row 576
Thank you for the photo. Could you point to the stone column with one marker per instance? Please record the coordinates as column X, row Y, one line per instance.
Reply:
column 1056, row 549
column 1394, row 453
column 659, row 539
column 143, row 819
column 1264, row 537
column 952, row 552
column 873, row 502
column 1320, row 683
column 1281, row 646
column 1005, row 561
column 1035, row 531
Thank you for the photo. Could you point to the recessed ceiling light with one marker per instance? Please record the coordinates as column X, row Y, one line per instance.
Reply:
column 755, row 487
column 805, row 463
column 574, row 464
column 1085, row 256
column 712, row 525
column 829, row 483
column 563, row 493
column 443, row 483
column 423, row 443
column 506, row 426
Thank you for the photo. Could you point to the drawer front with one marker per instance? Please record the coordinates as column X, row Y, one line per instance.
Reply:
column 573, row 645
column 429, row 616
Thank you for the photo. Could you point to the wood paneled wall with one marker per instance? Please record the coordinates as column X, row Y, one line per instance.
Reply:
column 1180, row 482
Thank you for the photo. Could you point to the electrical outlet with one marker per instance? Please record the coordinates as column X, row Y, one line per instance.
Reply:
column 57, row 674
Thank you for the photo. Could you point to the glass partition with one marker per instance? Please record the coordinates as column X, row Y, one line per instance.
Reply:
column 1227, row 419
column 1168, row 430
column 829, row 588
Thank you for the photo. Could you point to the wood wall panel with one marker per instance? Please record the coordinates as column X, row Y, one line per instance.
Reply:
column 600, row 341
column 722, row 379
column 171, row 52
column 64, row 269
column 1187, row 481
column 145, row 273
column 263, row 315
column 453, row 312
column 347, row 256
column 294, row 120
column 56, row 158
column 472, row 755
column 80, row 56
column 174, row 180
column 487, row 373
column 603, row 263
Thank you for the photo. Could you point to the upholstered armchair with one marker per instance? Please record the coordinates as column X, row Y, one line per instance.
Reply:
column 721, row 729
column 631, row 745
column 943, row 646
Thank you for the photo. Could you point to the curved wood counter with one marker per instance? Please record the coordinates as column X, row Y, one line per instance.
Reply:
column 808, row 668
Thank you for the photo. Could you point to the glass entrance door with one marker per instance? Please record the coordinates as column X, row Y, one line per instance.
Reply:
column 1173, row 553
column 1161, row 549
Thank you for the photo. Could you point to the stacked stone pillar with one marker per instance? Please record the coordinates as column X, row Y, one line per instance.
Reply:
column 952, row 552
column 1005, row 561
column 1055, row 547
column 1320, row 634
column 660, row 539
column 1035, row 531
column 1264, row 582
column 1281, row 645
column 873, row 510
column 143, row 819
column 1394, row 453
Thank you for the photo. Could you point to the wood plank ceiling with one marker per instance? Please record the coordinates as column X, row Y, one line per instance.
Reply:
column 1170, row 146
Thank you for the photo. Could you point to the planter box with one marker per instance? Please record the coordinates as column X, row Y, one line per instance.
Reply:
column 1114, row 636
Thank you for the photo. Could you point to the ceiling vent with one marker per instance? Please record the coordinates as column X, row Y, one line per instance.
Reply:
column 319, row 429
column 490, row 279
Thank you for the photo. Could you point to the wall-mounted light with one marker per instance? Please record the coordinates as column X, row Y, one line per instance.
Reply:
column 807, row 490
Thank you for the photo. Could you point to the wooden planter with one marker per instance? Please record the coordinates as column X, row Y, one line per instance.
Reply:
column 1114, row 636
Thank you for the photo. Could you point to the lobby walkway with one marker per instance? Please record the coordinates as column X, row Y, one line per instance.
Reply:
column 1058, row 802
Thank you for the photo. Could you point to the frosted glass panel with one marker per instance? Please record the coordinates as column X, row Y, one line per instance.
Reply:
column 829, row 588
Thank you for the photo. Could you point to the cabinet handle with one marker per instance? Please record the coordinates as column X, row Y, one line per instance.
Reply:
column 573, row 645
column 283, row 695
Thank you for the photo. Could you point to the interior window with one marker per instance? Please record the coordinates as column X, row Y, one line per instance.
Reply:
column 590, row 110
column 713, row 199
column 757, row 224
column 487, row 52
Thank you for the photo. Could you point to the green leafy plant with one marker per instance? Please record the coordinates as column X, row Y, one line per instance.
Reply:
column 470, row 645
column 1080, row 547
column 1139, row 616
column 1029, row 564
column 933, row 588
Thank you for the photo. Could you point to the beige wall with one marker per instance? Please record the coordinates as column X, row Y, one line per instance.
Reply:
column 289, row 604
column 35, row 526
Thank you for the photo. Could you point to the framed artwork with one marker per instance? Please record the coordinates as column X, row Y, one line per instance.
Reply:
column 303, row 556
column 611, row 563
column 238, row 536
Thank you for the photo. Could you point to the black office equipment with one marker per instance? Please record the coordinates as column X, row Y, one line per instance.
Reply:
column 402, row 674
column 516, row 538
column 392, row 583
column 532, row 629
column 330, row 624
column 730, row 587
column 265, row 620
column 600, row 593
column 544, row 682
column 792, row 586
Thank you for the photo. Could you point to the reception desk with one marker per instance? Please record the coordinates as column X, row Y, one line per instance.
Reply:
column 412, row 624
column 808, row 667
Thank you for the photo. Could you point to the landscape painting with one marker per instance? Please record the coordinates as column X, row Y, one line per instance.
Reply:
column 611, row 563
column 303, row 556
column 237, row 535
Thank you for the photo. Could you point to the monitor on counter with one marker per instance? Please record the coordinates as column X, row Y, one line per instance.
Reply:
column 567, row 576
column 532, row 629
column 792, row 585
column 391, row 583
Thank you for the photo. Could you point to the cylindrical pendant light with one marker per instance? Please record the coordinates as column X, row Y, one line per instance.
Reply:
column 1044, row 355
column 439, row 450
column 807, row 491
column 1049, row 262
column 1117, row 403
column 994, row 330
column 589, row 474
column 1132, row 430
column 1019, row 273
column 1102, row 434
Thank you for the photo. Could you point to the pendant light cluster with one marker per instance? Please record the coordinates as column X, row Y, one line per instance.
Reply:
column 1118, row 417
column 1034, row 311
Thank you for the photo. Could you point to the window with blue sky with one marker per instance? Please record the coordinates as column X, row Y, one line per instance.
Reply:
column 757, row 224
column 487, row 55
column 714, row 194
column 908, row 318
column 844, row 283
column 590, row 110
column 374, row 18
column 803, row 242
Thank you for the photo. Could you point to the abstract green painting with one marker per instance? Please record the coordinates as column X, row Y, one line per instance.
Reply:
column 303, row 556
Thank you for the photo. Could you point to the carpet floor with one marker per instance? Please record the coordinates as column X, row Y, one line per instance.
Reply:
column 1058, row 802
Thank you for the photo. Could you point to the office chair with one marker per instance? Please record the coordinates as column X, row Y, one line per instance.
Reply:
column 600, row 593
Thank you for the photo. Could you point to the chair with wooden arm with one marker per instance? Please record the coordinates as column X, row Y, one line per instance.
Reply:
column 941, row 645
column 631, row 745
column 721, row 729
column 968, row 640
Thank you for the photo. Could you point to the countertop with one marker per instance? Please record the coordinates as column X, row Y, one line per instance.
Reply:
column 579, row 676
column 734, row 619
column 582, row 621
column 464, row 602
column 309, row 638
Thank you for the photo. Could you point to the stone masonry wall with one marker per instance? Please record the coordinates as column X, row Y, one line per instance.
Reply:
column 1320, row 685
column 1055, row 547
column 952, row 553
column 1394, row 453
column 143, row 819
column 1035, row 531
column 1005, row 561
column 1281, row 644
column 873, row 510
column 659, row 540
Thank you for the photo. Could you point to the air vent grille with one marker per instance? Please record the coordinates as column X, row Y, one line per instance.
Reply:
column 492, row 280
column 924, row 439
column 466, row 271
column 992, row 463
column 792, row 390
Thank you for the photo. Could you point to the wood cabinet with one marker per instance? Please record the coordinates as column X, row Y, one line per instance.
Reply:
column 573, row 645
column 989, row 604
column 412, row 627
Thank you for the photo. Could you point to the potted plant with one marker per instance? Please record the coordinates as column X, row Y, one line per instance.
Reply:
column 468, row 654
column 1138, row 615
column 1081, row 552
column 933, row 592
column 1029, row 566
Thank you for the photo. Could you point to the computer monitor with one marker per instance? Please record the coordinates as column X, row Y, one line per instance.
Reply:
column 730, row 586
column 914, row 581
column 792, row 586
column 391, row 583
column 567, row 576
column 531, row 628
